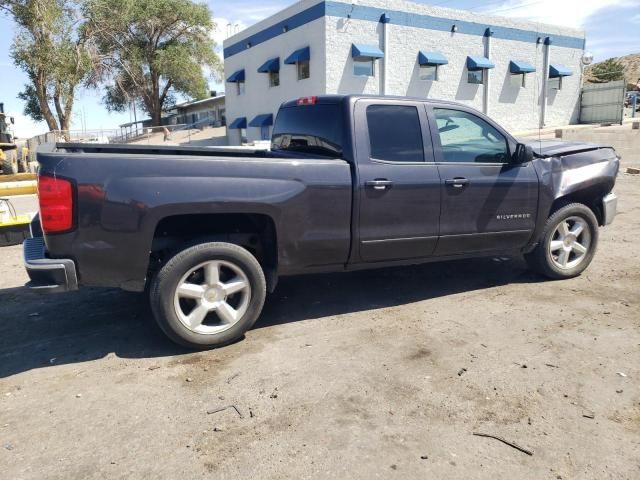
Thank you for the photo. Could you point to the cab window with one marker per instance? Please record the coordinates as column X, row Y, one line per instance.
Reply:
column 464, row 137
column 394, row 133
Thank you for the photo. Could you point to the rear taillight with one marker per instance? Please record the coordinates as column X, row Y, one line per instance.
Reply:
column 55, row 195
column 307, row 100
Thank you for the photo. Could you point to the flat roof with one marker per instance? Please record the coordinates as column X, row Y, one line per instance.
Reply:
column 400, row 12
column 198, row 102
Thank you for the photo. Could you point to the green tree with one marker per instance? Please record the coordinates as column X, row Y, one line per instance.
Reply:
column 31, row 105
column 47, row 47
column 52, row 54
column 150, row 50
column 608, row 71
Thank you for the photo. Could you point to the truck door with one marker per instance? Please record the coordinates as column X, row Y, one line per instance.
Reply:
column 488, row 202
column 397, row 181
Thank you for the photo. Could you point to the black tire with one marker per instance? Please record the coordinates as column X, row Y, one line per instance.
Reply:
column 10, row 162
column 165, row 283
column 544, row 262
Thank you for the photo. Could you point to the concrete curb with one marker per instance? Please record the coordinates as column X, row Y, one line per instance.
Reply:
column 17, row 177
column 25, row 187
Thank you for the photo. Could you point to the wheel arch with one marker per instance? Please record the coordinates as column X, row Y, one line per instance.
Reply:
column 590, row 196
column 256, row 232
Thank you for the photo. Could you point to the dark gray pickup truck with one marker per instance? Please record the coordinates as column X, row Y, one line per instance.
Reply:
column 350, row 182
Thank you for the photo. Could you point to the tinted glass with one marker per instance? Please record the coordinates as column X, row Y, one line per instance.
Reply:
column 274, row 79
column 476, row 76
column 363, row 68
column 394, row 133
column 467, row 138
column 314, row 129
column 554, row 83
column 428, row 72
column 303, row 70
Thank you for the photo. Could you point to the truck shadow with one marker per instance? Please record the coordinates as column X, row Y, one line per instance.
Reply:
column 40, row 331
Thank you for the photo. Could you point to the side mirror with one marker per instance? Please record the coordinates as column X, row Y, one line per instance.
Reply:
column 524, row 153
column 12, row 120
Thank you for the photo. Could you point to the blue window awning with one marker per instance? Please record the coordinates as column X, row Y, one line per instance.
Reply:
column 301, row 55
column 519, row 66
column 556, row 71
column 367, row 51
column 478, row 63
column 271, row 65
column 240, row 122
column 237, row 76
column 431, row 58
column 263, row 120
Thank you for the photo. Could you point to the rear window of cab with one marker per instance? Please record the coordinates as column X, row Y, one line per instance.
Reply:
column 313, row 129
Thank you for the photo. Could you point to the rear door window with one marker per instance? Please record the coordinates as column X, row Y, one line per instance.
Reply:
column 394, row 133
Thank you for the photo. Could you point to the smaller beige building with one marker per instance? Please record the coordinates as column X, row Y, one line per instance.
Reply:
column 206, row 112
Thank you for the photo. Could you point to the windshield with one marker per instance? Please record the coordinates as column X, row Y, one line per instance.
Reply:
column 313, row 129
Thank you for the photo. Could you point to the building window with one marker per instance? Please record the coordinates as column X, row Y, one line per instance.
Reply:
column 429, row 72
column 555, row 83
column 476, row 77
column 274, row 79
column 243, row 135
column 240, row 88
column 264, row 133
column 303, row 69
column 518, row 80
column 364, row 67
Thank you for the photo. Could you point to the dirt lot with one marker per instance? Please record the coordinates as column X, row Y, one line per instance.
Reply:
column 381, row 374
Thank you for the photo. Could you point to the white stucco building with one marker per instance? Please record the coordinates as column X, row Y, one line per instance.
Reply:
column 523, row 74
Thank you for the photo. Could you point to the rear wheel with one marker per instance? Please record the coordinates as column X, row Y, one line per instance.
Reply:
column 568, row 243
column 10, row 162
column 208, row 295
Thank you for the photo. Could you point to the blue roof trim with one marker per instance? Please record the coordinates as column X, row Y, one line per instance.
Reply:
column 431, row 58
column 240, row 122
column 271, row 65
column 278, row 28
column 263, row 120
column 301, row 55
column 361, row 12
column 479, row 63
column 236, row 76
column 520, row 66
column 556, row 71
column 368, row 51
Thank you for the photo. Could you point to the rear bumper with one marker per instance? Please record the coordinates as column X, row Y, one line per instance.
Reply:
column 48, row 275
column 609, row 208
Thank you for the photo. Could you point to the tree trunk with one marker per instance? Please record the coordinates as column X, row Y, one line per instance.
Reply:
column 62, row 119
column 43, row 101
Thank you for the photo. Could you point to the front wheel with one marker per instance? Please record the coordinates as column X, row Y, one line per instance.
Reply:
column 568, row 243
column 208, row 295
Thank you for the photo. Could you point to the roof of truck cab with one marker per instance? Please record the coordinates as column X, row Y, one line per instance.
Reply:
column 334, row 99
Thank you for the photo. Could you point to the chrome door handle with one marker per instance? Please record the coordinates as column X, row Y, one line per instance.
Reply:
column 457, row 182
column 378, row 184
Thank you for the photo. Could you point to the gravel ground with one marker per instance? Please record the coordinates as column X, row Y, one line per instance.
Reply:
column 377, row 374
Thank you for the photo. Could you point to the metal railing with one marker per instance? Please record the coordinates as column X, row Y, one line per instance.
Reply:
column 162, row 135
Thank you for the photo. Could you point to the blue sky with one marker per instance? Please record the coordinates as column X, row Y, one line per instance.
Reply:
column 612, row 28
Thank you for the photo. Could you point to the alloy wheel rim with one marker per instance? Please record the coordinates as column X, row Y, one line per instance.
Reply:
column 570, row 243
column 212, row 297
